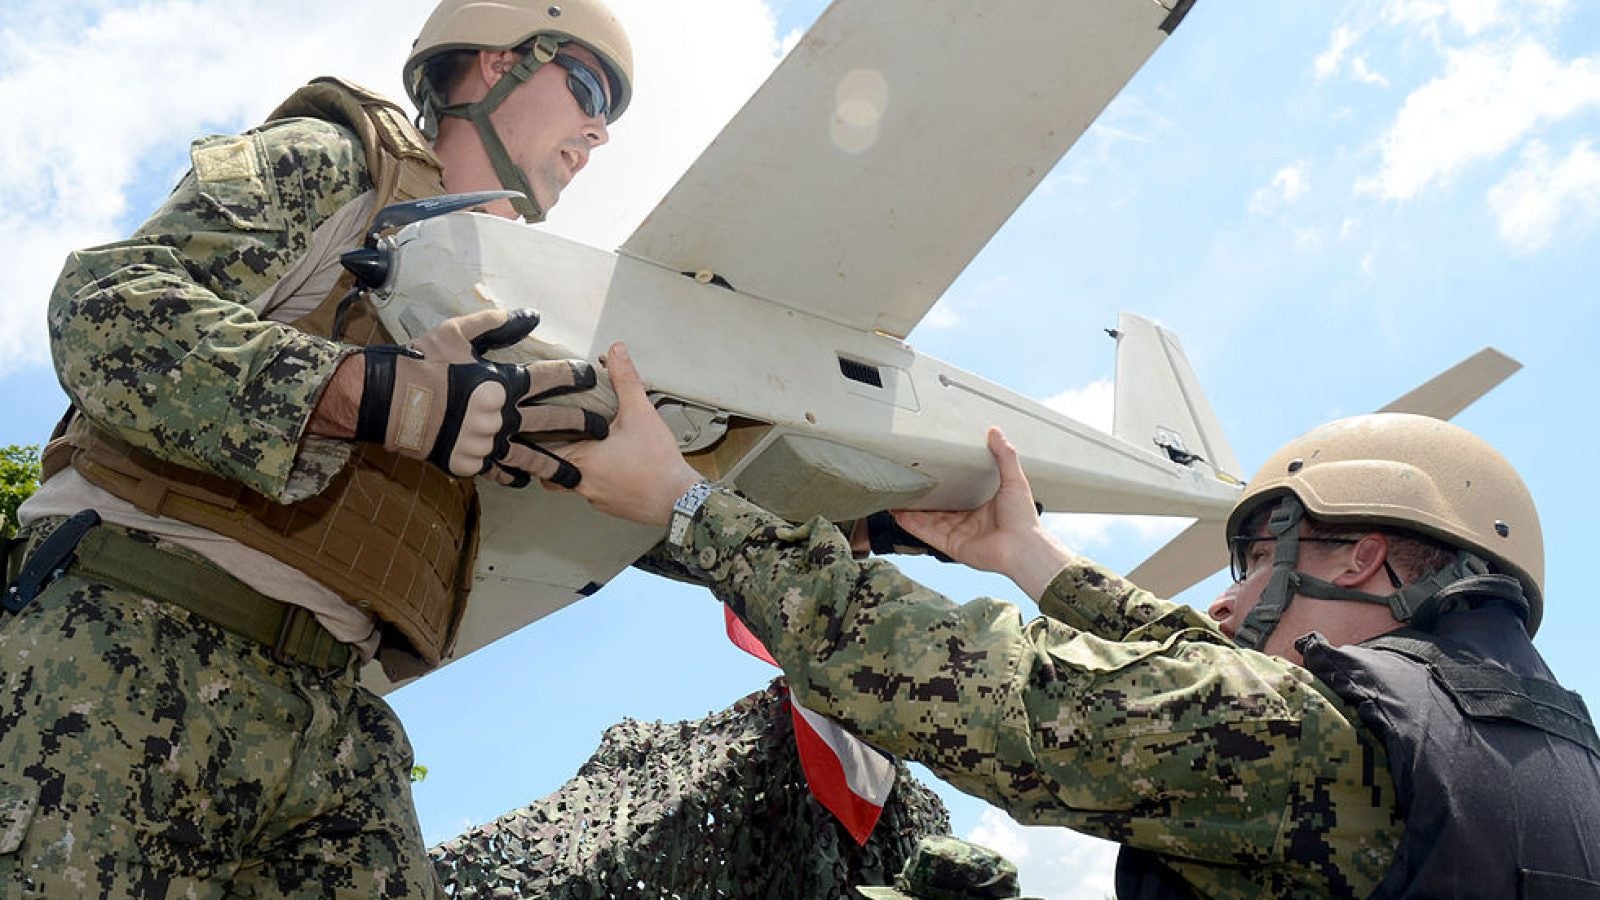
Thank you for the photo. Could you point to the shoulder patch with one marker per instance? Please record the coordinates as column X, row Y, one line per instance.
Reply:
column 224, row 159
column 230, row 173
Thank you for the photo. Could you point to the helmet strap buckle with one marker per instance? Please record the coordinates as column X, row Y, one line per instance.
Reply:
column 544, row 48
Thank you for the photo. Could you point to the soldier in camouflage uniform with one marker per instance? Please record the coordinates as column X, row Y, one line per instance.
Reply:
column 1334, row 756
column 257, row 492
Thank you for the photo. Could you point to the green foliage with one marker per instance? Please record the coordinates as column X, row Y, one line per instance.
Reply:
column 418, row 773
column 19, row 478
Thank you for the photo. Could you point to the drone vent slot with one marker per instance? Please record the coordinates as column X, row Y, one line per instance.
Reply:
column 861, row 372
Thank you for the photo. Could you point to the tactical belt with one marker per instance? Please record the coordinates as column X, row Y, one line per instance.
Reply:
column 110, row 554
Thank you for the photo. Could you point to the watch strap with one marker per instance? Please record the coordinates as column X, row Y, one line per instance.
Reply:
column 684, row 511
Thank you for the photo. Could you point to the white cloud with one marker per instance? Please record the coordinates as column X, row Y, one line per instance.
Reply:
column 102, row 100
column 996, row 831
column 1084, row 532
column 1475, row 17
column 1360, row 71
column 1061, row 864
column 1093, row 404
column 1490, row 98
column 1330, row 61
column 1413, row 12
column 1288, row 184
column 1327, row 63
column 1472, row 17
column 1541, row 198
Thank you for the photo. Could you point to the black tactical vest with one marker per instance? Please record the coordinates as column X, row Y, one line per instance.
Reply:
column 1496, row 767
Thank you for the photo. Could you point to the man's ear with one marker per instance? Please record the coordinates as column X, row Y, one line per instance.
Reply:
column 1365, row 561
column 493, row 65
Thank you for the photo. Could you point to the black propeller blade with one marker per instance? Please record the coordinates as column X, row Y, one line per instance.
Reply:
column 371, row 265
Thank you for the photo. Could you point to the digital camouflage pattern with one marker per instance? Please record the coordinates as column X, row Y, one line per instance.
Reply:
column 144, row 752
column 147, row 753
column 1116, row 713
column 711, row 808
column 948, row 868
column 151, row 336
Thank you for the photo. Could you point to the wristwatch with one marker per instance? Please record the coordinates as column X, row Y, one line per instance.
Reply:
column 683, row 512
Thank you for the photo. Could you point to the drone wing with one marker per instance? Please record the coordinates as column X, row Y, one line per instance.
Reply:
column 890, row 145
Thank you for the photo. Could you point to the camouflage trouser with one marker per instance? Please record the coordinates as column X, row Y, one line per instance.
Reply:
column 166, row 757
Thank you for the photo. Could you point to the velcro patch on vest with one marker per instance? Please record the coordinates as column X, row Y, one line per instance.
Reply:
column 414, row 409
column 400, row 136
column 225, row 160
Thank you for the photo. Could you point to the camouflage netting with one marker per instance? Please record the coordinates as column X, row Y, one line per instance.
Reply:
column 712, row 808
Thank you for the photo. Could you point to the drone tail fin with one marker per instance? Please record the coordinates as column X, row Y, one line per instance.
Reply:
column 1159, row 404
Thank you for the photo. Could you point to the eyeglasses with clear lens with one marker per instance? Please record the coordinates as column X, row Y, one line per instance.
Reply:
column 586, row 85
column 1239, row 550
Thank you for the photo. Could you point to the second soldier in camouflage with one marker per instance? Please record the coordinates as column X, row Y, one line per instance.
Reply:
column 1224, row 771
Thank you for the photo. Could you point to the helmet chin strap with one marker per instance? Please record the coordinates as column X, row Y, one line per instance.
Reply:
column 511, row 177
column 1419, row 604
column 1284, row 581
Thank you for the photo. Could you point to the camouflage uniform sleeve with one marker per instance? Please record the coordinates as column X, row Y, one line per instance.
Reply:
column 152, row 338
column 1096, row 600
column 660, row 560
column 1172, row 739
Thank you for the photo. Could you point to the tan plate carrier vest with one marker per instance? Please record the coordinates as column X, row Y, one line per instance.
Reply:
column 394, row 536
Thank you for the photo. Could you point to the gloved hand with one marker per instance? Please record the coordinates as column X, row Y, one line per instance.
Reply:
column 885, row 536
column 439, row 400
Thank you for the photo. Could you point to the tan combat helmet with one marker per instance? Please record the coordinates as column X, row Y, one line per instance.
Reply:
column 543, row 25
column 1413, row 473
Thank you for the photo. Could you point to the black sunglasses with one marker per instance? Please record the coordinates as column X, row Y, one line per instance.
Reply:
column 1239, row 547
column 586, row 86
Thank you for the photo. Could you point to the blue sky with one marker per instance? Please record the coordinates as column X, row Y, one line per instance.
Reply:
column 1328, row 203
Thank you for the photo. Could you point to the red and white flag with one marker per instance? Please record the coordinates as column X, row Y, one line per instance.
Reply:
column 848, row 776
